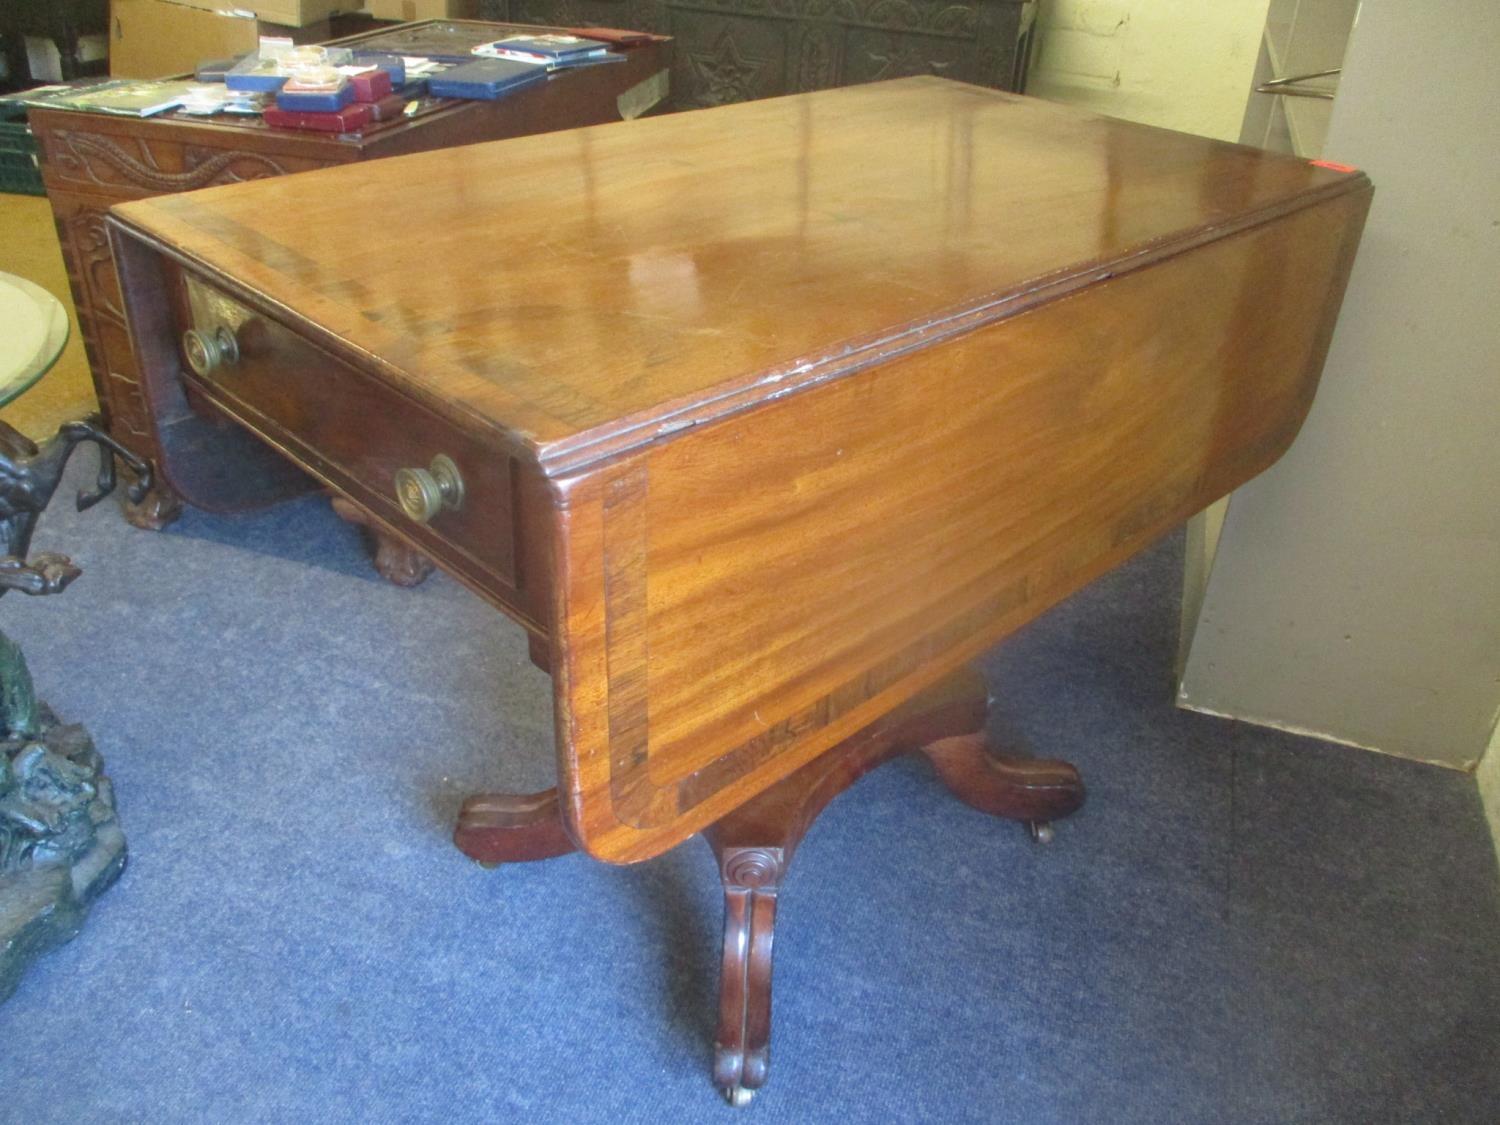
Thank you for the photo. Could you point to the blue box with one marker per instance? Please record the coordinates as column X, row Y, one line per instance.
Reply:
column 258, row 75
column 315, row 101
column 485, row 79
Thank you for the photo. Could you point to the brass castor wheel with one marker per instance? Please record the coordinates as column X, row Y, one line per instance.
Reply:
column 1041, row 831
column 489, row 864
column 738, row 1096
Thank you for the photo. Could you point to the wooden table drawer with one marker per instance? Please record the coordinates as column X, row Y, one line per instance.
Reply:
column 352, row 430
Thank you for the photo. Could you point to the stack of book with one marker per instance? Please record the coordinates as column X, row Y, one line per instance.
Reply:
column 327, row 89
column 553, row 51
column 341, row 99
column 127, row 97
column 333, row 89
column 486, row 79
column 517, row 61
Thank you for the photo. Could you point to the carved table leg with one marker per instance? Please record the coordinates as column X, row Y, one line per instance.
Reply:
column 742, row 1046
column 755, row 843
column 155, row 510
column 396, row 562
column 496, row 828
column 1035, row 790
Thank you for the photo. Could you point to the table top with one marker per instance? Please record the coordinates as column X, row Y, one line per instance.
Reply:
column 33, row 330
column 592, row 290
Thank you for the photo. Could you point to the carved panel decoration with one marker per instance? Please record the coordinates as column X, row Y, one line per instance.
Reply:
column 105, row 161
column 737, row 64
column 818, row 59
column 101, row 319
column 875, row 56
column 433, row 37
column 737, row 50
column 128, row 416
column 95, row 267
column 70, row 263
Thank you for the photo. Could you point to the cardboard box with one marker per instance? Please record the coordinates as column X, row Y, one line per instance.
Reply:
column 408, row 10
column 46, row 62
column 157, row 38
column 292, row 13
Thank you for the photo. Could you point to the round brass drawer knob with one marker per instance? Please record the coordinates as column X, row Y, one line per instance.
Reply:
column 423, row 493
column 207, row 351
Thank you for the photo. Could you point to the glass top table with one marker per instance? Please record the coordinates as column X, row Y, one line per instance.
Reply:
column 33, row 330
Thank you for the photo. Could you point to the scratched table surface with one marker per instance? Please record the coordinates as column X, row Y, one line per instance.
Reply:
column 650, row 275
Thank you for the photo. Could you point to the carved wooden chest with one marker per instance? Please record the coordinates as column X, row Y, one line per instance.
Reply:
column 738, row 50
column 91, row 161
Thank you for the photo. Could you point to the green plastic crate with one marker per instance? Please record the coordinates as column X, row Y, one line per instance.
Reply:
column 19, row 172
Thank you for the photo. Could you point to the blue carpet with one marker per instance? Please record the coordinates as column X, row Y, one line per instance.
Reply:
column 1240, row 926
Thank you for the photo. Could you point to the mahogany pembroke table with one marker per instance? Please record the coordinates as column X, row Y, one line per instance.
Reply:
column 763, row 421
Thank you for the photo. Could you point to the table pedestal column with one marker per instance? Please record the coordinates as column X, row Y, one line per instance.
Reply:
column 755, row 844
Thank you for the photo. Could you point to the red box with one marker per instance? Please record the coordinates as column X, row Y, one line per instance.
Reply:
column 371, row 86
column 388, row 108
column 346, row 120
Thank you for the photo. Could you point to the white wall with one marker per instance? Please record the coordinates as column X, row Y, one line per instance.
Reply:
column 1356, row 593
column 1488, row 775
column 1182, row 64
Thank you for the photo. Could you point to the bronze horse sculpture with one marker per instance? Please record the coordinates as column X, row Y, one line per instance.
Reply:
column 29, row 475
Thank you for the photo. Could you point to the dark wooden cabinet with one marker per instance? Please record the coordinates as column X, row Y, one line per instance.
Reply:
column 738, row 50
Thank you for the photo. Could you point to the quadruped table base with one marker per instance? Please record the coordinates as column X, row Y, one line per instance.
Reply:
column 755, row 843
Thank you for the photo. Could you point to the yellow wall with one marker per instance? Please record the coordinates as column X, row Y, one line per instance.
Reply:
column 29, row 249
column 1182, row 64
